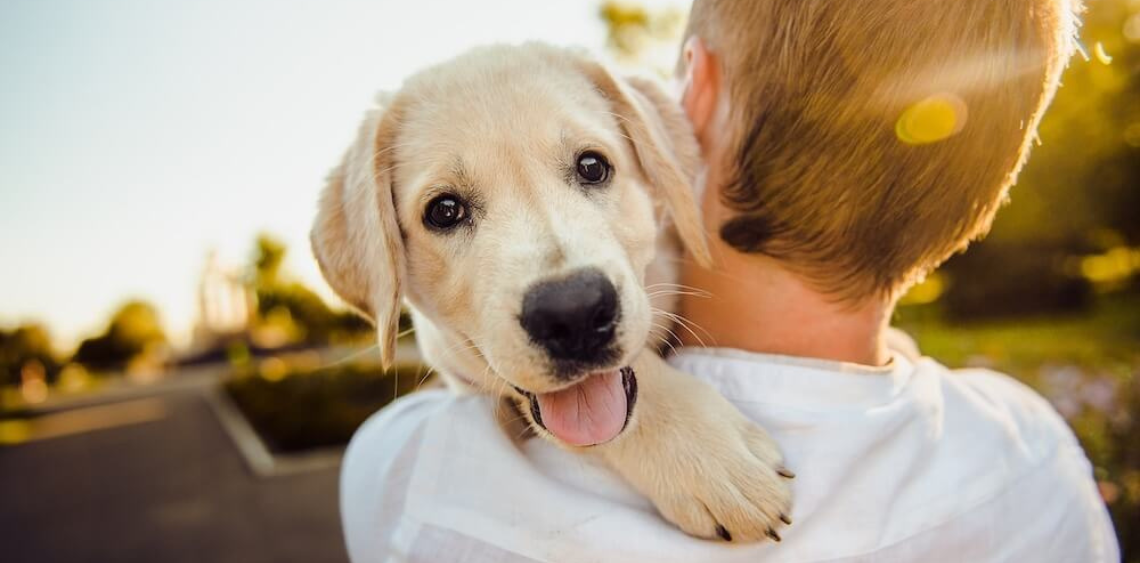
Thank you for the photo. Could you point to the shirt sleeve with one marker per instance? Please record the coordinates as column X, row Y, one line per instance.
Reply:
column 1066, row 474
column 375, row 471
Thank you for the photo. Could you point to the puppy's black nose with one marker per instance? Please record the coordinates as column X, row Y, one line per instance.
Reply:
column 573, row 318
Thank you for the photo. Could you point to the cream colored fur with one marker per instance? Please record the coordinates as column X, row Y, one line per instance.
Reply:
column 501, row 126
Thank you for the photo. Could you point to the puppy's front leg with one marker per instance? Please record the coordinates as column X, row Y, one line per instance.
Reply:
column 705, row 467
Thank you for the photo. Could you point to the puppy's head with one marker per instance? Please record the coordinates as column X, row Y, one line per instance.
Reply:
column 513, row 196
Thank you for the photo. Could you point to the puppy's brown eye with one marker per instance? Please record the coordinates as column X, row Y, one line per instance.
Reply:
column 445, row 212
column 592, row 168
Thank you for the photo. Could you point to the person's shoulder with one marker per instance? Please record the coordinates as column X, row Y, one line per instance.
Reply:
column 398, row 424
column 403, row 414
column 982, row 397
column 390, row 428
column 1011, row 425
column 376, row 446
column 991, row 398
column 382, row 458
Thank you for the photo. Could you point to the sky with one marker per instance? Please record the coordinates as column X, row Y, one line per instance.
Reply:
column 136, row 136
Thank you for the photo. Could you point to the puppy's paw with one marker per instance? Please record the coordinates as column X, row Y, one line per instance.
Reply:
column 733, row 488
column 706, row 467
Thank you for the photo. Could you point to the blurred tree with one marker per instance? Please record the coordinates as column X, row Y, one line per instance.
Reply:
column 291, row 312
column 627, row 24
column 134, row 329
column 29, row 343
column 639, row 37
column 999, row 279
column 1079, row 195
column 268, row 257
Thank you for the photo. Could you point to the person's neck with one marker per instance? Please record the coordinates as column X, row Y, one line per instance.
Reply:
column 752, row 303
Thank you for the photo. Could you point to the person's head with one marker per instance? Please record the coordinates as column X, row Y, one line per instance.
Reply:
column 860, row 144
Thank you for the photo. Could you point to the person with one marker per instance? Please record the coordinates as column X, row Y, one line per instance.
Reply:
column 849, row 148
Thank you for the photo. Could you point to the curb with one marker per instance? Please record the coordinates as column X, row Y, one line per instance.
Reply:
column 257, row 456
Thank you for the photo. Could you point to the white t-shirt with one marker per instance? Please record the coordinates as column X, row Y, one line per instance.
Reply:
column 912, row 462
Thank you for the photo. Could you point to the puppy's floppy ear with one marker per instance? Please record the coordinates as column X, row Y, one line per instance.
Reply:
column 666, row 148
column 356, row 238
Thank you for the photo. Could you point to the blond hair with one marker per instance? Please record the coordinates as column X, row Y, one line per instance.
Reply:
column 825, row 176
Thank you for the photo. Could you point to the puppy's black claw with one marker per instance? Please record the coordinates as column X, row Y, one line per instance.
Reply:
column 772, row 534
column 723, row 533
column 785, row 473
column 784, row 518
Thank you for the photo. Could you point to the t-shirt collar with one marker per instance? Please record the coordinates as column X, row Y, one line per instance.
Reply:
column 795, row 381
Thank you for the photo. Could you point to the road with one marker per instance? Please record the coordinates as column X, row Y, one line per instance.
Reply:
column 163, row 484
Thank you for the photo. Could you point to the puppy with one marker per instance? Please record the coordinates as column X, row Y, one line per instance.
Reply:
column 526, row 205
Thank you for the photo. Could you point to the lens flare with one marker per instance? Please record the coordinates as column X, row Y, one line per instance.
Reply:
column 1101, row 54
column 930, row 120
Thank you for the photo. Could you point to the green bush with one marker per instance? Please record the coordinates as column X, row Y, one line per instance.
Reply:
column 996, row 280
column 303, row 409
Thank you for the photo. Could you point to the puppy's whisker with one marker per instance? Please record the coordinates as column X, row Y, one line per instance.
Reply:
column 684, row 323
column 664, row 342
column 498, row 384
column 461, row 346
column 619, row 117
column 667, row 341
column 677, row 321
column 653, row 286
column 351, row 357
column 427, row 374
column 671, row 292
column 687, row 323
column 379, row 173
column 676, row 290
column 391, row 147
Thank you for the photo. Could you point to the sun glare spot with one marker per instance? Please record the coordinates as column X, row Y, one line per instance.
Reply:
column 1100, row 53
column 274, row 369
column 1132, row 28
column 933, row 119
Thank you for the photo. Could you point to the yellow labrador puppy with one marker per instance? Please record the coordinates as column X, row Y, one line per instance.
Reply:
column 516, row 198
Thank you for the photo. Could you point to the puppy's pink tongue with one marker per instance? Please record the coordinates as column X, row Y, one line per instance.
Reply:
column 588, row 413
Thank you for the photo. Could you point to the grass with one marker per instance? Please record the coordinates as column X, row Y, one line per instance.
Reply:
column 1105, row 339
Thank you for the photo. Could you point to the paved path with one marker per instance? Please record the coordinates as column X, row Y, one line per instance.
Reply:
column 167, row 488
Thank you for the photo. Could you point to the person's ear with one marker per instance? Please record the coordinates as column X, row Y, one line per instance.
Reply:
column 701, row 93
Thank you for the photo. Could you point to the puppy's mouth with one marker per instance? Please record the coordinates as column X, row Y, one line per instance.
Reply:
column 593, row 411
